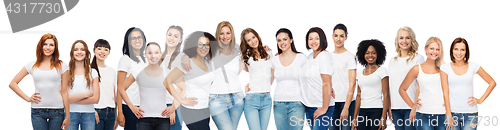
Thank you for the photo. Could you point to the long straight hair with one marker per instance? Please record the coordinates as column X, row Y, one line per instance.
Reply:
column 218, row 31
column 99, row 43
column 177, row 48
column 54, row 61
column 126, row 45
column 86, row 64
column 289, row 33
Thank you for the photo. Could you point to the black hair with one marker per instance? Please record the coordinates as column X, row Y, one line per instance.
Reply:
column 341, row 27
column 126, row 45
column 177, row 48
column 191, row 44
column 323, row 44
column 292, row 45
column 153, row 43
column 93, row 64
column 363, row 47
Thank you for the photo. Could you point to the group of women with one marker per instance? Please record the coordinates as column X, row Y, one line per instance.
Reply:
column 161, row 89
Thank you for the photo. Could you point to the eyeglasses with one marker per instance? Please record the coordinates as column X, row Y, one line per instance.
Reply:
column 201, row 45
column 135, row 38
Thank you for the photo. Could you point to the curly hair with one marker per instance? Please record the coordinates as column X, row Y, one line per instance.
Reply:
column 363, row 47
column 246, row 49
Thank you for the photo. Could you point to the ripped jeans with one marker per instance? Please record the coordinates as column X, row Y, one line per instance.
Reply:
column 465, row 121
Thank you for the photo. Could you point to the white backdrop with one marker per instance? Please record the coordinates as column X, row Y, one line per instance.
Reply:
column 91, row 19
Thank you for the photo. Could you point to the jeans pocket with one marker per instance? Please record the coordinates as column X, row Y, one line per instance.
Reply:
column 60, row 112
column 35, row 112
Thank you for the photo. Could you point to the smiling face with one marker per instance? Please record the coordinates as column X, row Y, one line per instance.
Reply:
column 153, row 54
column 284, row 41
column 339, row 37
column 101, row 53
column 225, row 35
column 433, row 50
column 404, row 40
column 371, row 55
column 203, row 46
column 459, row 51
column 173, row 37
column 48, row 47
column 136, row 40
column 313, row 41
column 79, row 52
column 252, row 40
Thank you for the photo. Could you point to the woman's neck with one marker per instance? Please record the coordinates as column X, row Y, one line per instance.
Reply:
column 137, row 52
column 100, row 63
column 198, row 58
column 339, row 50
column 170, row 50
column 316, row 53
column 153, row 66
column 79, row 65
column 404, row 53
column 287, row 53
column 46, row 58
column 226, row 49
column 459, row 63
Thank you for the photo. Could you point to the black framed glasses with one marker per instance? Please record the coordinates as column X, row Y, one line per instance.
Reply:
column 136, row 38
column 201, row 45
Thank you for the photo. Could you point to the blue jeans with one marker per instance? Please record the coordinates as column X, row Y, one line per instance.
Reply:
column 346, row 123
column 226, row 110
column 178, row 122
column 130, row 118
column 430, row 121
column 47, row 119
column 258, row 110
column 465, row 121
column 369, row 118
column 151, row 123
column 84, row 121
column 320, row 123
column 107, row 118
column 401, row 119
column 289, row 115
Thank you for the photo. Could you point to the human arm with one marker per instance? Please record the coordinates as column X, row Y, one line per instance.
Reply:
column 14, row 86
column 387, row 102
column 327, row 85
column 446, row 95
column 171, row 77
column 94, row 99
column 350, row 93
column 491, row 85
column 121, row 75
column 356, row 109
column 65, row 96
column 122, row 91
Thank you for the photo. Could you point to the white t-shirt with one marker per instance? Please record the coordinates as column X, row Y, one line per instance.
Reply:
column 371, row 88
column 226, row 78
column 287, row 79
column 461, row 88
column 167, row 71
column 107, row 88
column 48, row 84
column 398, row 69
column 260, row 75
column 310, row 80
column 431, row 93
column 198, row 84
column 151, row 91
column 80, row 86
column 127, row 65
column 342, row 63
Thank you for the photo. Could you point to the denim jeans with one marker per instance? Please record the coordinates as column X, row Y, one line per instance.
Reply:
column 226, row 110
column 152, row 123
column 84, row 121
column 47, row 119
column 401, row 119
column 107, row 118
column 178, row 121
column 130, row 118
column 258, row 110
column 320, row 123
column 289, row 115
column 369, row 118
column 196, row 119
column 430, row 121
column 465, row 121
column 346, row 123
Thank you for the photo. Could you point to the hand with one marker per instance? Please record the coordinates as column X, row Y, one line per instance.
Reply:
column 167, row 111
column 116, row 125
column 172, row 118
column 418, row 104
column 413, row 112
column 344, row 114
column 390, row 115
column 89, row 94
column 354, row 124
column 137, row 111
column 450, row 122
column 96, row 117
column 319, row 112
column 120, row 120
column 382, row 125
column 35, row 98
column 189, row 101
column 247, row 89
column 185, row 63
column 267, row 48
column 333, row 94
column 473, row 101
column 65, row 123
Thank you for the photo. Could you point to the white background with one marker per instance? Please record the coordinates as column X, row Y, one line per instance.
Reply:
column 90, row 20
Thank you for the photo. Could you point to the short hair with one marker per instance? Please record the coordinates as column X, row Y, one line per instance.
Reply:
column 439, row 60
column 323, row 44
column 191, row 44
column 126, row 46
column 289, row 33
column 222, row 24
column 467, row 53
column 413, row 47
column 379, row 48
column 341, row 27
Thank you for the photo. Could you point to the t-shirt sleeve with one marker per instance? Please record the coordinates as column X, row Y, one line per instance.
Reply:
column 325, row 63
column 124, row 63
column 135, row 71
column 420, row 59
column 94, row 74
column 445, row 69
column 475, row 67
column 64, row 67
column 383, row 72
column 29, row 67
column 351, row 63
column 274, row 60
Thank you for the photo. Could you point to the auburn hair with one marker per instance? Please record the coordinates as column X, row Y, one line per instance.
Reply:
column 54, row 61
column 86, row 64
column 247, row 51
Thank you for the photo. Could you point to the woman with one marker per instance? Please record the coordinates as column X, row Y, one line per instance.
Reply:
column 49, row 73
column 406, row 47
column 153, row 112
column 257, row 62
column 373, row 99
column 316, row 81
column 133, row 56
column 105, row 110
column 288, row 107
column 169, row 60
column 84, row 89
column 194, row 109
column 459, row 76
column 431, row 112
column 343, row 80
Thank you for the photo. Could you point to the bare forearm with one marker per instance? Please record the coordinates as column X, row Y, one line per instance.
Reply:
column 18, row 91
